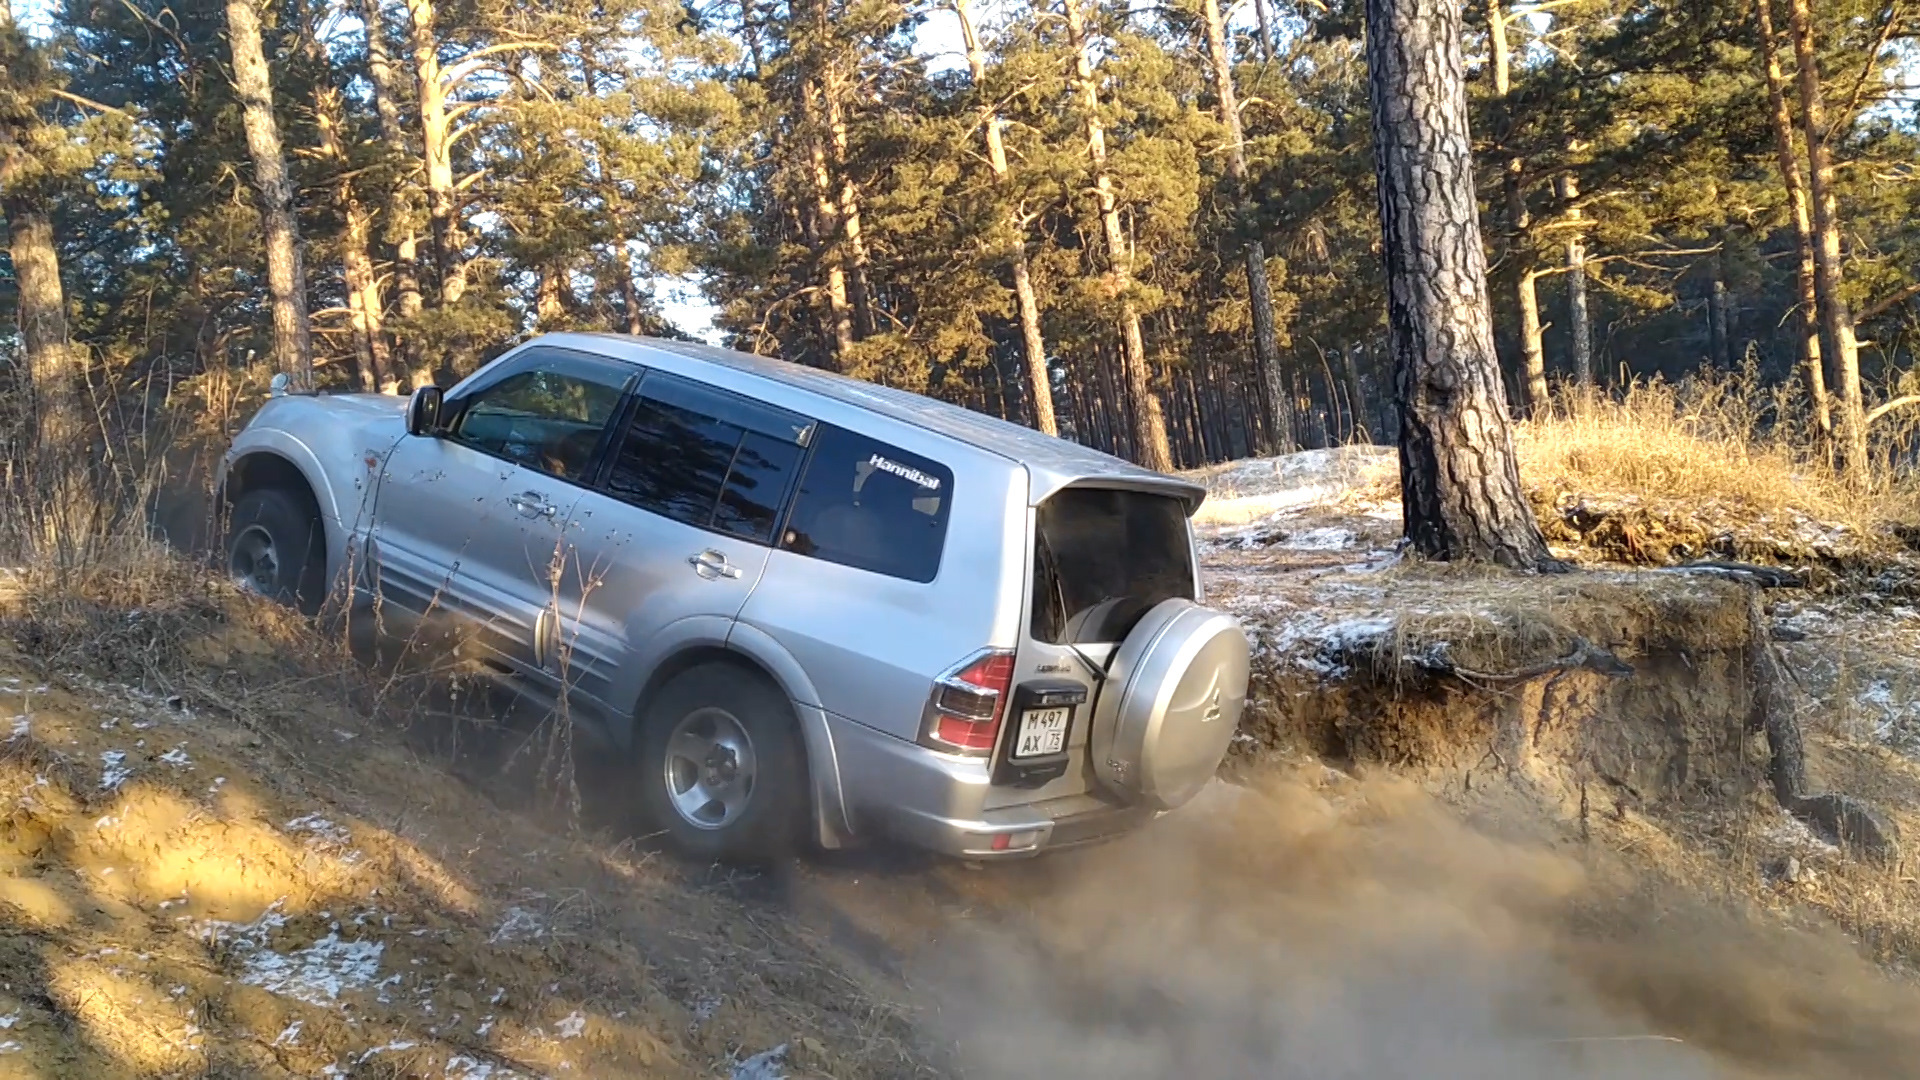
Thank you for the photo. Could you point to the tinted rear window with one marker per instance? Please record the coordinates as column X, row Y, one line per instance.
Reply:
column 1104, row 558
column 871, row 505
column 707, row 458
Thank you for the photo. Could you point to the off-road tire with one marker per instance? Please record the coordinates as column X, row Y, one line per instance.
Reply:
column 298, row 577
column 769, row 828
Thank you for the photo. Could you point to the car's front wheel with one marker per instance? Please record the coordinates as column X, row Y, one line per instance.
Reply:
column 274, row 549
column 722, row 771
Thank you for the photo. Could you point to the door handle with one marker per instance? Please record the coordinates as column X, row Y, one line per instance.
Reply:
column 532, row 504
column 712, row 564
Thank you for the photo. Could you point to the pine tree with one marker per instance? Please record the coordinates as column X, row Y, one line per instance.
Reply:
column 1459, row 481
column 286, row 272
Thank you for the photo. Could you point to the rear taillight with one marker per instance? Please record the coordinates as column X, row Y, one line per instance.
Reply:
column 963, row 715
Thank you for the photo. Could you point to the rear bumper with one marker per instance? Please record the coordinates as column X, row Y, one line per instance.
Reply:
column 938, row 802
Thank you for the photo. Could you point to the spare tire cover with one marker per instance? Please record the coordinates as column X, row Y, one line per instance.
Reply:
column 1170, row 704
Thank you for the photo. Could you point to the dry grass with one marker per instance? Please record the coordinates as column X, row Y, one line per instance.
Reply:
column 1726, row 440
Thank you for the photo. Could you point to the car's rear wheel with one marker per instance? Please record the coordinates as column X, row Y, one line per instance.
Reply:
column 722, row 772
column 274, row 549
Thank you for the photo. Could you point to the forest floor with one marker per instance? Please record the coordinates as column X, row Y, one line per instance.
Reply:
column 229, row 852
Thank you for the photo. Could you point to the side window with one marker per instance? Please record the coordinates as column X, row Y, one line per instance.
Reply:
column 708, row 458
column 873, row 506
column 548, row 415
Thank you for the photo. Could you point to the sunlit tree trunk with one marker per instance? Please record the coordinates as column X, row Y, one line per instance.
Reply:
column 1039, row 382
column 1578, row 328
column 1808, row 311
column 364, row 305
column 1459, row 480
column 286, row 276
column 825, row 227
column 1266, row 336
column 436, row 144
column 1533, row 353
column 1265, row 20
column 1719, row 342
column 1149, row 426
column 1835, row 317
column 399, row 222
column 860, row 263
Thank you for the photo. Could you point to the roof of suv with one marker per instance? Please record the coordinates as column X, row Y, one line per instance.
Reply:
column 1053, row 463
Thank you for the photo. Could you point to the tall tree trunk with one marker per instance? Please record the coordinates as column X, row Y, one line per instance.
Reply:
column 1356, row 394
column 1266, row 336
column 286, row 276
column 364, row 305
column 1717, row 330
column 1835, row 318
column 859, row 288
column 1808, row 309
column 436, row 145
column 399, row 207
column 824, row 226
column 60, row 461
column 629, row 287
column 1266, row 29
column 547, row 306
column 1459, row 480
column 1149, row 426
column 1533, row 354
column 1039, row 382
column 1579, row 331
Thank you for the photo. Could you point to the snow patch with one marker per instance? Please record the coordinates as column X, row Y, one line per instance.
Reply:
column 518, row 925
column 321, row 829
column 766, row 1065
column 113, row 770
column 572, row 1025
column 317, row 974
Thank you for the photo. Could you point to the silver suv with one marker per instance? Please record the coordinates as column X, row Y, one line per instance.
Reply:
column 793, row 605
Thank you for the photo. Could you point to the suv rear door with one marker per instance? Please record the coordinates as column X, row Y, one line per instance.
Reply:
column 1101, row 558
column 675, row 534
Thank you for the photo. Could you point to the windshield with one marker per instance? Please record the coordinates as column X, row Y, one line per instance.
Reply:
column 1103, row 558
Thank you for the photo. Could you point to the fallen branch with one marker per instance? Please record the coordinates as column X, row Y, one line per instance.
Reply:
column 1765, row 577
column 1585, row 656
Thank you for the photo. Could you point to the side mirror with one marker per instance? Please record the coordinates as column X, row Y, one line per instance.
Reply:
column 423, row 411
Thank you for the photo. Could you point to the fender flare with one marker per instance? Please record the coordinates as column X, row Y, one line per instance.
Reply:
column 275, row 443
column 823, row 762
column 682, row 643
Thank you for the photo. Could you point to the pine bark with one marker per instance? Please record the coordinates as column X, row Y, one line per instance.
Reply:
column 365, row 307
column 1460, row 482
column 399, row 225
column 824, row 228
column 629, row 286
column 1835, row 318
column 1026, row 302
column 1808, row 311
column 860, row 263
column 1533, row 353
column 286, row 276
column 1148, row 424
column 436, row 145
column 1579, row 330
column 1266, row 336
column 1719, row 342
column 1266, row 29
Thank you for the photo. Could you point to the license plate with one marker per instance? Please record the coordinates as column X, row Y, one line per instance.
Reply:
column 1042, row 731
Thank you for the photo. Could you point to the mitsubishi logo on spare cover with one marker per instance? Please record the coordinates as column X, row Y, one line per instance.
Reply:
column 1213, row 708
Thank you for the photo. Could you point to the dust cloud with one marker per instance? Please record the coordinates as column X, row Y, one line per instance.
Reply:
column 1349, row 929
